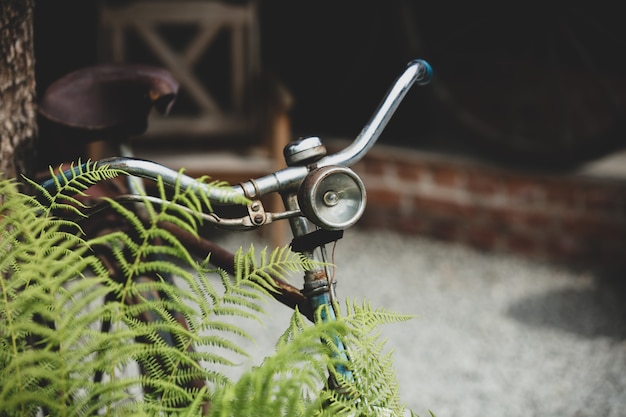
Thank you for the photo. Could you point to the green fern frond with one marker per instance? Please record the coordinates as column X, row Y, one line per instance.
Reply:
column 36, row 256
column 279, row 263
column 297, row 324
column 37, row 288
column 375, row 385
column 288, row 383
column 292, row 381
column 51, row 315
column 365, row 317
column 73, row 181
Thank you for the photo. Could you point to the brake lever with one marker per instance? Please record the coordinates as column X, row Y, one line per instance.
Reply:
column 257, row 216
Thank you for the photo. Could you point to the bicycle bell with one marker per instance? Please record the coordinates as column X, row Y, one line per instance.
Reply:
column 304, row 151
column 332, row 197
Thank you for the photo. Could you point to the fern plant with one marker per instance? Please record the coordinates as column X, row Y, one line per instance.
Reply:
column 56, row 359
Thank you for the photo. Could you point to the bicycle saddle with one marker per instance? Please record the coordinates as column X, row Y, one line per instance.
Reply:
column 109, row 99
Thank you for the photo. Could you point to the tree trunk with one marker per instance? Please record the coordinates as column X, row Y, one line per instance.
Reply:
column 18, row 123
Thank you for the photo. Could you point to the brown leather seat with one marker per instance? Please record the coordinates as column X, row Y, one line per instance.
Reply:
column 110, row 100
column 107, row 102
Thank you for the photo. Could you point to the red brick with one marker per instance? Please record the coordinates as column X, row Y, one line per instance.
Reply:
column 376, row 218
column 564, row 195
column 446, row 229
column 483, row 183
column 545, row 216
column 485, row 238
column 384, row 198
column 411, row 171
column 604, row 200
column 527, row 191
column 515, row 218
column 371, row 167
column 444, row 208
column 589, row 226
column 412, row 225
column 447, row 176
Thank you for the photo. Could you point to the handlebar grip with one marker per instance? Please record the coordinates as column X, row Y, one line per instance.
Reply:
column 424, row 71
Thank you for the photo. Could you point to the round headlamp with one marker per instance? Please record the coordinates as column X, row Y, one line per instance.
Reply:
column 332, row 197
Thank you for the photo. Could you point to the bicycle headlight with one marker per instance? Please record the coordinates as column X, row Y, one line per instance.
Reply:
column 332, row 197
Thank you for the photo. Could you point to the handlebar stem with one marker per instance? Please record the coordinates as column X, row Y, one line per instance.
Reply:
column 279, row 181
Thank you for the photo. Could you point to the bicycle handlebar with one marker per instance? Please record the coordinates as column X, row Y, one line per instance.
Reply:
column 416, row 71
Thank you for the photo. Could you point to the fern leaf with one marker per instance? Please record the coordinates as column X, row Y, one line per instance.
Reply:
column 260, row 272
column 58, row 192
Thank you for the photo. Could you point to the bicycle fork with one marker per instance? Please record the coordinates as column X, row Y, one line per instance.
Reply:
column 319, row 288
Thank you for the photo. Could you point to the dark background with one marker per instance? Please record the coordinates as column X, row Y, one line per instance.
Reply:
column 524, row 78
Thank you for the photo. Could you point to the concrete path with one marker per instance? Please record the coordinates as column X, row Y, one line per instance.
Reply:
column 497, row 336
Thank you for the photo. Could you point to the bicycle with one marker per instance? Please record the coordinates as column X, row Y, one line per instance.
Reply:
column 321, row 194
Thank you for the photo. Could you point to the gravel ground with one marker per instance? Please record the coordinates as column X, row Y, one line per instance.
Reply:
column 496, row 335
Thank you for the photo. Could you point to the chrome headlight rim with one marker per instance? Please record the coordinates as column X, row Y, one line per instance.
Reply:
column 332, row 197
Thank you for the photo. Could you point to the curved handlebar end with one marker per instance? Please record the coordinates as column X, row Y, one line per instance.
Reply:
column 425, row 71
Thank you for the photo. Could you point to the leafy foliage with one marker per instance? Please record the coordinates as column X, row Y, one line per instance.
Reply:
column 56, row 357
column 288, row 382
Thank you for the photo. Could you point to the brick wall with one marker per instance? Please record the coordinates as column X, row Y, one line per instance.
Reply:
column 565, row 218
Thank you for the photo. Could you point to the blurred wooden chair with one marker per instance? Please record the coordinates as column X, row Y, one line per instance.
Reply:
column 225, row 100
